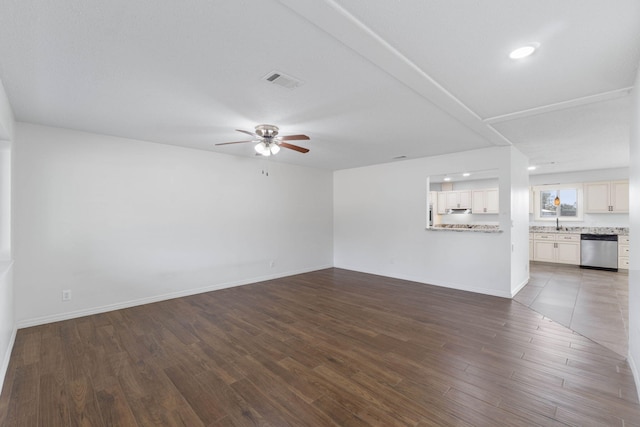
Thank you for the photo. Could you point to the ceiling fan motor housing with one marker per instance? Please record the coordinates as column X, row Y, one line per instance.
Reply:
column 267, row 131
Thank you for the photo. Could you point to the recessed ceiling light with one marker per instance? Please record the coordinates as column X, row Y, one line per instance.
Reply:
column 524, row 51
column 466, row 174
column 531, row 168
column 447, row 179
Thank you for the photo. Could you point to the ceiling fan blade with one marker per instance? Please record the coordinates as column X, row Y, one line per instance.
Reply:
column 247, row 132
column 294, row 147
column 293, row 137
column 236, row 142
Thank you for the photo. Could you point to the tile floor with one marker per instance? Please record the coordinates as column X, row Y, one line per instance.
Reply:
column 593, row 303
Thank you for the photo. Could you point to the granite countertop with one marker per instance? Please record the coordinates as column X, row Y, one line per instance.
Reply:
column 622, row 231
column 466, row 228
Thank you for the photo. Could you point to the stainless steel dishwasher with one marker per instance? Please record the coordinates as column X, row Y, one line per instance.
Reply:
column 599, row 251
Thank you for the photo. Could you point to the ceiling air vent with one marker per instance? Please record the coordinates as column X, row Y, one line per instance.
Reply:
column 281, row 79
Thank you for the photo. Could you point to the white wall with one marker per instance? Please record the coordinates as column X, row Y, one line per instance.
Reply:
column 121, row 222
column 6, row 116
column 634, row 236
column 519, row 221
column 589, row 220
column 7, row 319
column 379, row 225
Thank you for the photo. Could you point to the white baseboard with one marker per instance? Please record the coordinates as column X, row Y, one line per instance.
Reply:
column 519, row 287
column 477, row 290
column 7, row 358
column 25, row 323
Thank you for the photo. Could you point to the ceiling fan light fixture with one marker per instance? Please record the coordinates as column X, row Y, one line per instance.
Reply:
column 262, row 149
column 265, row 148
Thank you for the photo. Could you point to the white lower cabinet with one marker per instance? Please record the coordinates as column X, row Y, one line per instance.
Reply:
column 530, row 247
column 623, row 252
column 544, row 251
column 568, row 253
column 559, row 248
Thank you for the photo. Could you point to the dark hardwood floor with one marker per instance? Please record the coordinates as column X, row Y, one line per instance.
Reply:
column 332, row 347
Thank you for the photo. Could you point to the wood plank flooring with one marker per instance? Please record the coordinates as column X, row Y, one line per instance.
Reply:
column 332, row 347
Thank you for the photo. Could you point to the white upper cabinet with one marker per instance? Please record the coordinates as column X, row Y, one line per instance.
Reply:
column 485, row 201
column 441, row 207
column 607, row 197
column 458, row 199
column 620, row 196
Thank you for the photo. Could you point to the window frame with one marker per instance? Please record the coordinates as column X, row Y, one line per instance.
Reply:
column 556, row 187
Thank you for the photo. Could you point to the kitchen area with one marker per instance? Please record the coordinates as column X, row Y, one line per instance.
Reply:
column 578, row 245
column 599, row 246
column 580, row 223
column 464, row 201
column 579, row 263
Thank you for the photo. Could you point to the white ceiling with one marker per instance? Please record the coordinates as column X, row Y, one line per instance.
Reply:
column 380, row 79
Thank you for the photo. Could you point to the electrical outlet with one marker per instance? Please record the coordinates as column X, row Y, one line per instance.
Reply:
column 272, row 264
column 66, row 295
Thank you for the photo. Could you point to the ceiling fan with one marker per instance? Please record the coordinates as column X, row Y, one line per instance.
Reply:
column 268, row 141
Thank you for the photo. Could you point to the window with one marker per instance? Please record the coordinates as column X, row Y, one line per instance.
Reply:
column 569, row 197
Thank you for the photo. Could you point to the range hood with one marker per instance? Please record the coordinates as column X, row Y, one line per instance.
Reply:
column 458, row 211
